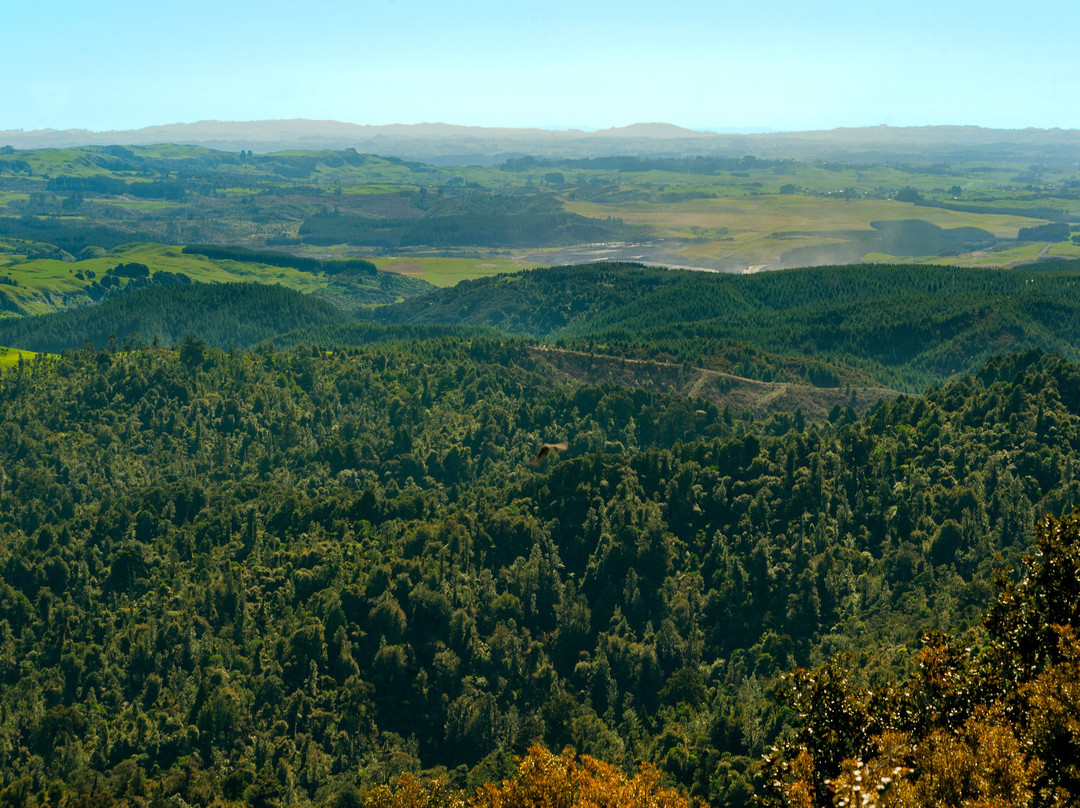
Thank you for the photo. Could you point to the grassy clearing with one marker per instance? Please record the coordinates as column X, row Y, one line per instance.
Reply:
column 143, row 206
column 69, row 162
column 1021, row 254
column 999, row 200
column 6, row 199
column 171, row 151
column 42, row 283
column 204, row 270
column 375, row 189
column 884, row 258
column 1066, row 249
column 9, row 357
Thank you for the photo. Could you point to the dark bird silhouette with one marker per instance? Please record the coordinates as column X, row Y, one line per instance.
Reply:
column 546, row 449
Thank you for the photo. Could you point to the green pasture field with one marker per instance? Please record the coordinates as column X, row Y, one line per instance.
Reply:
column 145, row 206
column 884, row 258
column 449, row 271
column 69, row 162
column 170, row 151
column 817, row 178
column 76, row 162
column 759, row 229
column 358, row 176
column 373, row 189
column 1064, row 249
column 990, row 201
column 44, row 283
column 204, row 270
column 783, row 215
column 439, row 270
column 237, row 191
column 1021, row 254
column 13, row 246
column 9, row 357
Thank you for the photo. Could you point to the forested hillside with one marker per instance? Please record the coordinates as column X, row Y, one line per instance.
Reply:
column 226, row 315
column 896, row 326
column 286, row 577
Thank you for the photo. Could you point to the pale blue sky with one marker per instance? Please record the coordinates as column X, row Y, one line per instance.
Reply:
column 720, row 65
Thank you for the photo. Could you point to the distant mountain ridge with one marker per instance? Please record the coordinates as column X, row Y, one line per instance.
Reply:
column 310, row 134
column 449, row 143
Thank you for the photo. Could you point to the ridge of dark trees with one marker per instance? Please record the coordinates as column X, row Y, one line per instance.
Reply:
column 225, row 315
column 902, row 327
column 898, row 326
column 482, row 230
column 276, row 258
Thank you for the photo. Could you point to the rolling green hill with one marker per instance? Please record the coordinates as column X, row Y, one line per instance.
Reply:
column 38, row 279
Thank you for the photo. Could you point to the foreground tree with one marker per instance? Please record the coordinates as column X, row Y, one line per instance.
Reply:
column 997, row 723
column 543, row 780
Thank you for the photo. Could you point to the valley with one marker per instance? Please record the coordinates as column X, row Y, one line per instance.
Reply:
column 926, row 203
column 333, row 479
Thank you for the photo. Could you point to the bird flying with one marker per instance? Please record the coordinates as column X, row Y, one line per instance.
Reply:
column 546, row 449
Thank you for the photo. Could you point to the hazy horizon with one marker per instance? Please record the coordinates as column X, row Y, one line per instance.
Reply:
column 749, row 130
column 779, row 66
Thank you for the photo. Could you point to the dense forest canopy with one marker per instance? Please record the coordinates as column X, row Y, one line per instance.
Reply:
column 292, row 576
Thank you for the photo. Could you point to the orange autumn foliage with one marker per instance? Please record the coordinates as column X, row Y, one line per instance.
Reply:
column 543, row 780
column 995, row 725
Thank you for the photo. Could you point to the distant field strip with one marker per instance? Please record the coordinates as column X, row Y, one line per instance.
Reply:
column 761, row 228
column 449, row 271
